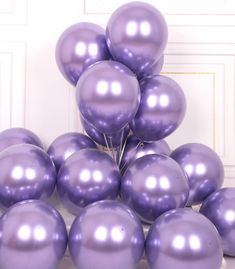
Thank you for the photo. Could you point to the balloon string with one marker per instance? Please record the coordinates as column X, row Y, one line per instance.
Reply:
column 112, row 150
column 107, row 144
column 121, row 148
column 135, row 148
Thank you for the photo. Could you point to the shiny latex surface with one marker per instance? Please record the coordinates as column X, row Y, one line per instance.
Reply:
column 87, row 176
column 135, row 149
column 32, row 236
column 14, row 136
column 26, row 172
column 136, row 36
column 219, row 207
column 113, row 140
column 108, row 96
column 67, row 144
column 106, row 235
column 162, row 109
column 78, row 47
column 154, row 184
column 183, row 239
column 204, row 170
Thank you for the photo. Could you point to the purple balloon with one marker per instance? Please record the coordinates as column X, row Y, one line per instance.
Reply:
column 135, row 149
column 80, row 46
column 14, row 136
column 153, row 185
column 26, row 172
column 106, row 235
column 162, row 109
column 108, row 96
column 183, row 239
column 203, row 168
column 33, row 235
column 219, row 207
column 136, row 36
column 85, row 177
column 113, row 140
column 67, row 144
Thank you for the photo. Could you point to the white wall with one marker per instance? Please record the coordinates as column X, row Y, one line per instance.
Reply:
column 200, row 56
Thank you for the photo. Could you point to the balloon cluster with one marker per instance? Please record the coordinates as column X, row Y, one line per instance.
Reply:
column 118, row 91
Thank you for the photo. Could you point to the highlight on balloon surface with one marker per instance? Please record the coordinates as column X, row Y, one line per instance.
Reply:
column 162, row 109
column 136, row 36
column 107, row 234
column 135, row 148
column 219, row 208
column 33, row 235
column 152, row 185
column 15, row 136
column 26, row 172
column 78, row 47
column 85, row 177
column 204, row 169
column 108, row 96
column 67, row 144
column 182, row 239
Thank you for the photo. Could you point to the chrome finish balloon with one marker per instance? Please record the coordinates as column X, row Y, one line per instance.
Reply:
column 219, row 207
column 113, row 140
column 14, row 136
column 33, row 236
column 154, row 184
column 106, row 235
column 154, row 71
column 26, row 172
column 183, row 239
column 162, row 109
column 85, row 177
column 136, row 36
column 80, row 46
column 204, row 170
column 108, row 96
column 135, row 149
column 67, row 144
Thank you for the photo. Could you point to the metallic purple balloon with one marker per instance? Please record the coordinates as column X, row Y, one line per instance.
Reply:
column 67, row 144
column 80, row 46
column 106, row 235
column 26, row 172
column 14, row 136
column 108, row 96
column 87, row 176
column 135, row 149
column 152, row 185
column 183, row 239
column 33, row 235
column 162, row 109
column 203, row 168
column 136, row 36
column 113, row 140
column 219, row 207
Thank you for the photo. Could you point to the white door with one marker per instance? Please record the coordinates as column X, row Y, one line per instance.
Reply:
column 200, row 56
